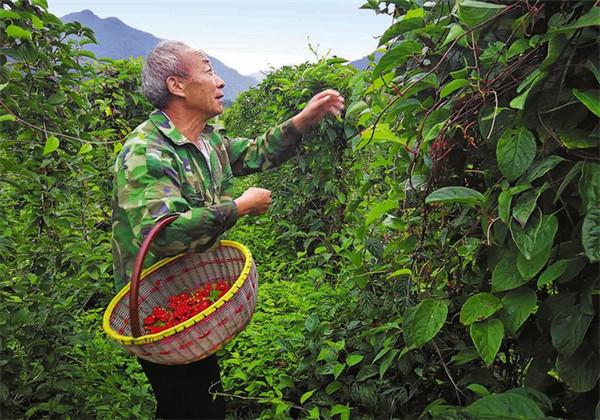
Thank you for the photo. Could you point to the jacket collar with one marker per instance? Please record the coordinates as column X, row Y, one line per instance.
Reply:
column 166, row 126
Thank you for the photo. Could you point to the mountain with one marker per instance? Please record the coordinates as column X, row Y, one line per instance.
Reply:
column 118, row 40
column 362, row 63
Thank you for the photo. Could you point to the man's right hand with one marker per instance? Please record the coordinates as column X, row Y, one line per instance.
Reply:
column 253, row 201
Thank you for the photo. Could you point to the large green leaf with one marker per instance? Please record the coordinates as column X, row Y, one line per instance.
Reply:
column 397, row 56
column 591, row 18
column 504, row 201
column 505, row 406
column 525, row 238
column 537, row 236
column 527, row 202
column 453, row 86
column 518, row 305
column 540, row 169
column 487, row 336
column 14, row 31
column 504, row 276
column 581, row 370
column 472, row 12
column 515, row 152
column 479, row 307
column 568, row 329
column 590, row 98
column 51, row 145
column 552, row 272
column 589, row 184
column 427, row 321
column 590, row 234
column 412, row 20
column 462, row 195
column 528, row 268
column 380, row 209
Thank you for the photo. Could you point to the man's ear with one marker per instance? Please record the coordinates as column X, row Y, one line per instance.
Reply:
column 175, row 86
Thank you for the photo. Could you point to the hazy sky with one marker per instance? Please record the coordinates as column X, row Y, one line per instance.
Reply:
column 249, row 35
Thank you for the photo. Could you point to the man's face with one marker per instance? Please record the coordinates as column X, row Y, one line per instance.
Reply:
column 203, row 89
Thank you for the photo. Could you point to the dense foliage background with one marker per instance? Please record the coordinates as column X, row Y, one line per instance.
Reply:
column 432, row 253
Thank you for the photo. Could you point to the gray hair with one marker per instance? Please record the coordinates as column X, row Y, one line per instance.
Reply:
column 164, row 60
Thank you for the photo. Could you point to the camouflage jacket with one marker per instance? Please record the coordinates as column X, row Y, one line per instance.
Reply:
column 160, row 172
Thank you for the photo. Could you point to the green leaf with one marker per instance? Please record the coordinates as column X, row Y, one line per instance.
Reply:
column 505, row 406
column 540, row 169
column 552, row 273
column 453, row 86
column 454, row 32
column 51, row 145
column 7, row 117
column 589, row 184
column 333, row 387
column 527, row 202
column 401, row 272
column 534, row 395
column 36, row 22
column 590, row 98
column 515, row 152
column 356, row 108
column 594, row 69
column 525, row 238
column 14, row 31
column 478, row 389
column 479, row 307
column 85, row 148
column 9, row 14
column 568, row 329
column 504, row 201
column 571, row 175
column 517, row 47
column 412, row 20
column 387, row 362
column 590, row 234
column 397, row 56
column 504, row 276
column 472, row 12
column 354, row 359
column 382, row 134
column 591, row 18
column 427, row 321
column 487, row 336
column 312, row 323
column 578, row 138
column 518, row 305
column 581, row 370
column 462, row 195
column 342, row 410
column 380, row 209
column 306, row 396
column 528, row 268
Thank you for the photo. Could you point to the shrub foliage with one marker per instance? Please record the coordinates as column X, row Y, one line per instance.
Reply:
column 451, row 218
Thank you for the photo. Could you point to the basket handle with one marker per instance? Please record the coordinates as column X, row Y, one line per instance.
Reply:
column 138, row 266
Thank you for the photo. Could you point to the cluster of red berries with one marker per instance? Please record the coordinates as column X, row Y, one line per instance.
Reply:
column 183, row 306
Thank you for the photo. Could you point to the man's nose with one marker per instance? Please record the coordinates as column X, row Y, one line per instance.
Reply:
column 220, row 82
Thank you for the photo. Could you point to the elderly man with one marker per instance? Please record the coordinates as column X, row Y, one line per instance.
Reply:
column 174, row 163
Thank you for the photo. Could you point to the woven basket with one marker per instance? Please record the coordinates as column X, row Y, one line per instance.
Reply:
column 201, row 335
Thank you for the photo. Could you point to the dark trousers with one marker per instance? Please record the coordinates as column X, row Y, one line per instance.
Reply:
column 181, row 391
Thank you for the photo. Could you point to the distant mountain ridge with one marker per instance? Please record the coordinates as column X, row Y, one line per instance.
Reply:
column 118, row 40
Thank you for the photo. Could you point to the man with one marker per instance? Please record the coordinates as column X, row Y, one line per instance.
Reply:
column 174, row 163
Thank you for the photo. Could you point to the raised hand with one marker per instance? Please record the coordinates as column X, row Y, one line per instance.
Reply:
column 328, row 102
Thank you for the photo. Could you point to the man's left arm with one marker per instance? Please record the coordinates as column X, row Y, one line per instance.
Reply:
column 279, row 144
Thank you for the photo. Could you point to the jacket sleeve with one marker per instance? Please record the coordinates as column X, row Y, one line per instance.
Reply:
column 149, row 189
column 267, row 151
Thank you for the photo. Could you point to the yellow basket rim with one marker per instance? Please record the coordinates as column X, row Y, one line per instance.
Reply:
column 150, row 338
